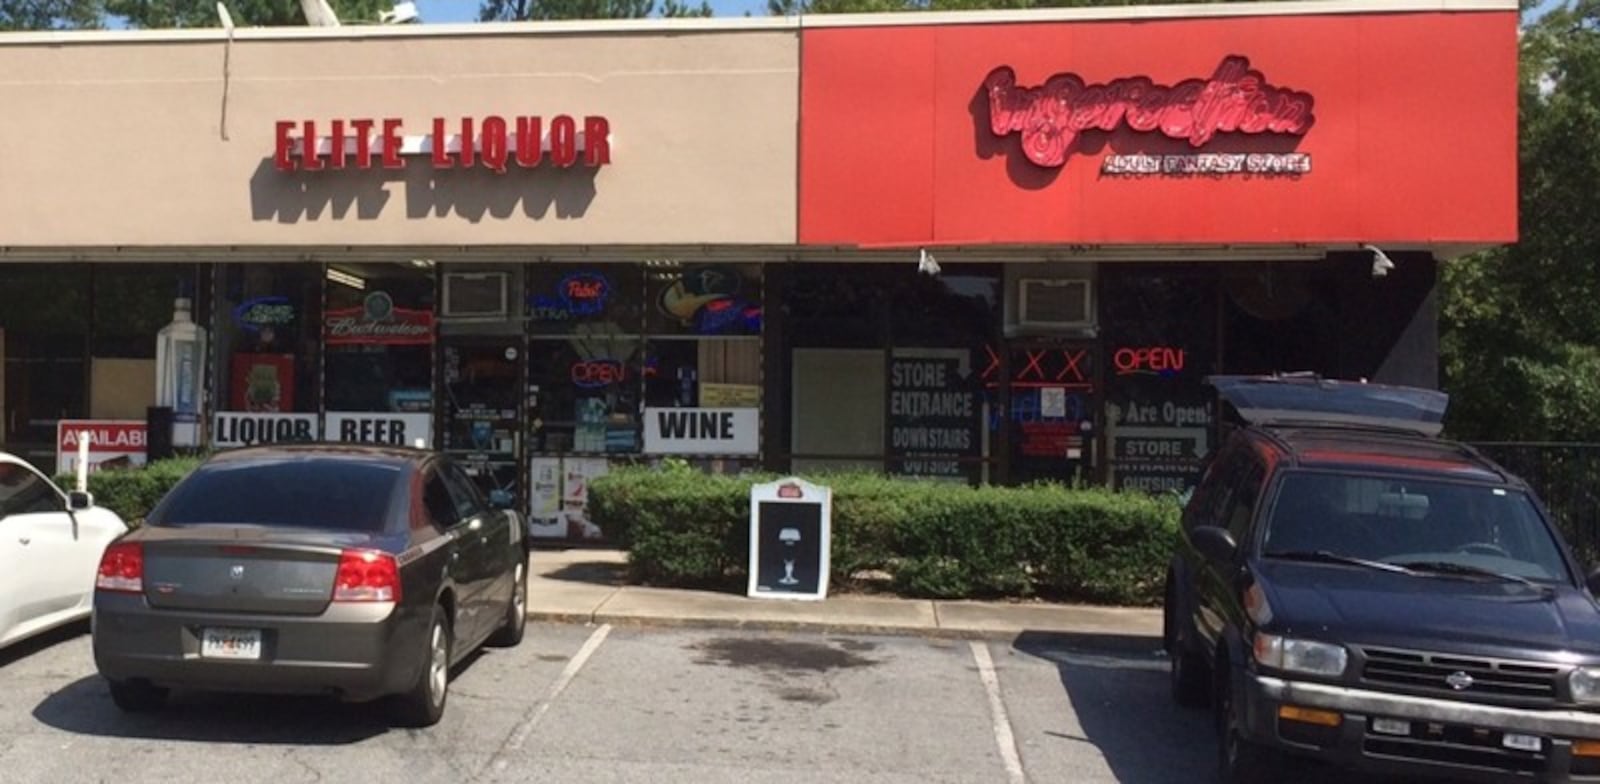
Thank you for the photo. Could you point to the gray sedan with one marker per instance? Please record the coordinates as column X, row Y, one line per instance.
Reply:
column 347, row 571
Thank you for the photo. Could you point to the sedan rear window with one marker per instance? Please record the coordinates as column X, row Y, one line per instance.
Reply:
column 301, row 493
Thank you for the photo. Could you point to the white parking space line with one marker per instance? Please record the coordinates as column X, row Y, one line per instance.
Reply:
column 520, row 736
column 1003, row 737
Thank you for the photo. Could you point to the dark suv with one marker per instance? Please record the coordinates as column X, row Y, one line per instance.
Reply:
column 1352, row 588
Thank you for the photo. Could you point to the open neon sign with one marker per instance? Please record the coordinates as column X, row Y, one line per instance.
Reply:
column 1151, row 360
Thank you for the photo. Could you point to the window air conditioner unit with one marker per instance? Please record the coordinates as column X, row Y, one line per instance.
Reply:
column 479, row 296
column 1054, row 303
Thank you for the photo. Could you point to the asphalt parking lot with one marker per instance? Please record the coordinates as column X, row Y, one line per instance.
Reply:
column 601, row 704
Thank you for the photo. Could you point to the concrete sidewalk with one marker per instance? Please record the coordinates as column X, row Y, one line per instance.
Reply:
column 588, row 586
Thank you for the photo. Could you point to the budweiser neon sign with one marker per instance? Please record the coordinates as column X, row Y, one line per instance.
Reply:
column 1050, row 117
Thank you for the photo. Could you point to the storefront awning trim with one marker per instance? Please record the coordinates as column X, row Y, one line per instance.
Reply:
column 701, row 253
column 770, row 23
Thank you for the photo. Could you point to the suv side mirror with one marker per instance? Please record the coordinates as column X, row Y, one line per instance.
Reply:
column 79, row 500
column 1593, row 582
column 1214, row 543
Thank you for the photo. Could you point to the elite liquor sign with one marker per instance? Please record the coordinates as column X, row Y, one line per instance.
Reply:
column 493, row 143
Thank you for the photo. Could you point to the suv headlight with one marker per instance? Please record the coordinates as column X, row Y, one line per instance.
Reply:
column 1314, row 658
column 1585, row 683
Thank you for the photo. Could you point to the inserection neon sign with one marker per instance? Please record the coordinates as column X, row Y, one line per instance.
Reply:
column 1051, row 116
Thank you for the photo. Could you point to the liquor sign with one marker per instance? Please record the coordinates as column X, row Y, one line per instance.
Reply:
column 702, row 431
column 120, row 442
column 1050, row 117
column 248, row 428
column 493, row 143
column 790, row 540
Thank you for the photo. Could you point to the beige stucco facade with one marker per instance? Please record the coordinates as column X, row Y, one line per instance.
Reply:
column 166, row 140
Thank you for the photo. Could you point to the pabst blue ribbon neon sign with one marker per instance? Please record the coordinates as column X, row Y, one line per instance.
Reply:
column 1050, row 117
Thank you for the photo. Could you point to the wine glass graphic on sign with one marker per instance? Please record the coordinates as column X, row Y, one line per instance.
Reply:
column 790, row 537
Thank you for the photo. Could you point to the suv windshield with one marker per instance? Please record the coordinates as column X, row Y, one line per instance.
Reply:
column 301, row 493
column 1442, row 526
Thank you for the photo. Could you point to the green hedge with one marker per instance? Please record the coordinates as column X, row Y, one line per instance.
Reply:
column 133, row 492
column 937, row 540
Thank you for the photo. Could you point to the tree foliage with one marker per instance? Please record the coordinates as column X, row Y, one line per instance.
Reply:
column 246, row 13
column 791, row 7
column 544, row 10
column 1520, row 327
column 49, row 14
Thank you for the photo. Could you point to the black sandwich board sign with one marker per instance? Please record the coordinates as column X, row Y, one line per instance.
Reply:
column 789, row 540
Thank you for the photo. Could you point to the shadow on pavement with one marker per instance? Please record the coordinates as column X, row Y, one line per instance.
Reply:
column 25, row 648
column 1118, row 686
column 1118, row 689
column 592, row 572
column 84, row 707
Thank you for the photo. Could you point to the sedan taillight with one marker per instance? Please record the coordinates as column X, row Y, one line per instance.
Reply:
column 121, row 568
column 367, row 576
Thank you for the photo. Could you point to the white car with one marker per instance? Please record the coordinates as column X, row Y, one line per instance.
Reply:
column 50, row 546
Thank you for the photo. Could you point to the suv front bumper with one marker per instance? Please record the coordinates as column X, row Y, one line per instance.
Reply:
column 1459, row 740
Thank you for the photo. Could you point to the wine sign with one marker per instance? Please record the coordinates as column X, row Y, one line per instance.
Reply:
column 790, row 540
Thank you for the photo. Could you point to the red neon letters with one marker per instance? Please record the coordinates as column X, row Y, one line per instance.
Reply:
column 494, row 143
column 1050, row 117
column 1151, row 359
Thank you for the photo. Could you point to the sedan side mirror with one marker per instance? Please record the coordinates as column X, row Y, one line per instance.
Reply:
column 1214, row 543
column 501, row 499
column 79, row 500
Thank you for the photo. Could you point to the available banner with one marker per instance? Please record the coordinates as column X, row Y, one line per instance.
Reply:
column 111, row 442
column 702, row 431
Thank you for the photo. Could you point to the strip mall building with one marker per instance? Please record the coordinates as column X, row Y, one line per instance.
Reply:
column 995, row 246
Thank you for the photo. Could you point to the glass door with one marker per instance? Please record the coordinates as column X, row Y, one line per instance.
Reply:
column 1054, row 393
column 482, row 380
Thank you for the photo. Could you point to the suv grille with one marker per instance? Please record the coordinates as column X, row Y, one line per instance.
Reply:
column 1441, row 673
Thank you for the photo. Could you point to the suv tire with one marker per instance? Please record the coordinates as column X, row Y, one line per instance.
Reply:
column 1189, row 676
column 1239, row 760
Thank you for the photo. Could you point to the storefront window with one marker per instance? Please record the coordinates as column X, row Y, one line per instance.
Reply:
column 888, row 368
column 267, row 332
column 378, row 334
column 566, row 299
column 943, row 330
column 44, row 330
column 630, row 360
column 1160, row 329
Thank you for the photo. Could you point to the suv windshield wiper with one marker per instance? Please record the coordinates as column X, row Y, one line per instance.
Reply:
column 1325, row 556
column 1467, row 570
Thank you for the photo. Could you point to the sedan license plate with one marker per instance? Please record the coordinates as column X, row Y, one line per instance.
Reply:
column 230, row 643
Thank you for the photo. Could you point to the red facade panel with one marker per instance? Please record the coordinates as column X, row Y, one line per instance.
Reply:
column 1396, row 128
